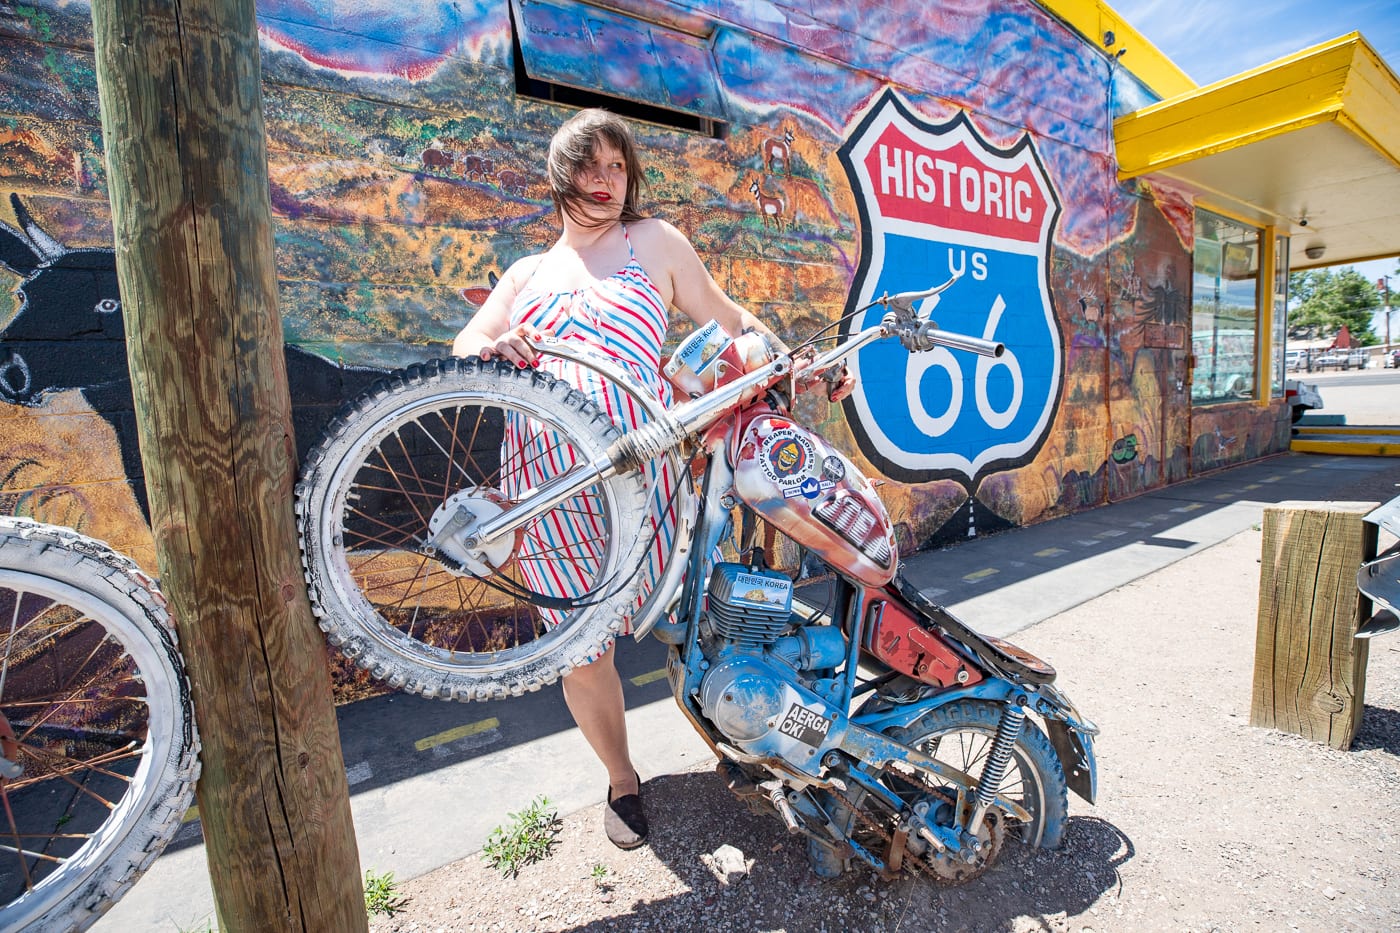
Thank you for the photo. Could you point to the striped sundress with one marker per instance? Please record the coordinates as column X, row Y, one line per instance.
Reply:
column 624, row 317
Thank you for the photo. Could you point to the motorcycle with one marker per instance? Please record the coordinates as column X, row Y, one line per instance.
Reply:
column 470, row 531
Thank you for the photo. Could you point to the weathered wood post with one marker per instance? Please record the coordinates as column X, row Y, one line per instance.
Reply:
column 181, row 97
column 1309, row 672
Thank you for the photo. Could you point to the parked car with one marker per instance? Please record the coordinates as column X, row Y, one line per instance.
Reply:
column 1392, row 359
column 1341, row 359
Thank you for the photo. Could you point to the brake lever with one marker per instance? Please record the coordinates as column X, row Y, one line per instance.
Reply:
column 904, row 301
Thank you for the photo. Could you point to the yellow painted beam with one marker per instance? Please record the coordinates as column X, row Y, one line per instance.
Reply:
column 1371, row 100
column 1349, row 448
column 1093, row 19
column 1309, row 430
column 1303, row 89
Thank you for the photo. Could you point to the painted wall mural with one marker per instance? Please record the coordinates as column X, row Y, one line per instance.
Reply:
column 406, row 172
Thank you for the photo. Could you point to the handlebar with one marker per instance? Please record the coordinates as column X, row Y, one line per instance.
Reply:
column 913, row 328
column 673, row 427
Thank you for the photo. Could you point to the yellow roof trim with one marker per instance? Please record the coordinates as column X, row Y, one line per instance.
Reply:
column 1342, row 80
column 1094, row 18
column 1309, row 143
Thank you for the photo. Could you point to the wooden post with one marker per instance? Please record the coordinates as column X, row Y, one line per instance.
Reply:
column 181, row 97
column 1309, row 672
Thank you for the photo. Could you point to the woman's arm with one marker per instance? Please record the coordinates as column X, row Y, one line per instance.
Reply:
column 698, row 296
column 489, row 333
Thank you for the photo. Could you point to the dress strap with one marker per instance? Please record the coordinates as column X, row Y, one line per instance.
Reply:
column 630, row 254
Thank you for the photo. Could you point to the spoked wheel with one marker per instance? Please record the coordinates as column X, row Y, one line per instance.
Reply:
column 96, row 728
column 398, row 463
column 961, row 735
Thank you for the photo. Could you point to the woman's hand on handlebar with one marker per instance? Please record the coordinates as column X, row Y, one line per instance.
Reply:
column 839, row 381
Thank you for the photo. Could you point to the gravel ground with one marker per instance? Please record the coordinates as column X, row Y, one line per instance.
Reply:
column 1203, row 822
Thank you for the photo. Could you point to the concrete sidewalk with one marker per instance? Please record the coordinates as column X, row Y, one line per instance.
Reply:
column 429, row 780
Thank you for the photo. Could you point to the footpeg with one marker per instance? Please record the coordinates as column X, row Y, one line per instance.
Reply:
column 735, row 779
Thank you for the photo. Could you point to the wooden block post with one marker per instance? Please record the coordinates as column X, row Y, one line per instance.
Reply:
column 1309, row 672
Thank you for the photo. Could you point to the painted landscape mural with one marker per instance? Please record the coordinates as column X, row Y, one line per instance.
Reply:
column 406, row 153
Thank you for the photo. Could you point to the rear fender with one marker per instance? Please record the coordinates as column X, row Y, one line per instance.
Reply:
column 1076, row 753
column 1070, row 734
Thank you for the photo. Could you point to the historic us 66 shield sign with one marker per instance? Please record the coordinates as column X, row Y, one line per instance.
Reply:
column 934, row 201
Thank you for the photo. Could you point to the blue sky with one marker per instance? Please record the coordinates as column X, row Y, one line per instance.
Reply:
column 1210, row 40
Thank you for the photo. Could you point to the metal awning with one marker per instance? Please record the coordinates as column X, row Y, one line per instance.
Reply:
column 1309, row 143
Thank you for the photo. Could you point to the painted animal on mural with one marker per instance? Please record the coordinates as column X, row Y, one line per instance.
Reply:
column 769, row 207
column 778, row 149
column 69, row 334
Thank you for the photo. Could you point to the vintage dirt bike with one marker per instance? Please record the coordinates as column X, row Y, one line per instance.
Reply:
column 875, row 724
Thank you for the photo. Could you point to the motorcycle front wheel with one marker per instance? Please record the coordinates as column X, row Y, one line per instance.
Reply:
column 483, row 433
column 96, row 722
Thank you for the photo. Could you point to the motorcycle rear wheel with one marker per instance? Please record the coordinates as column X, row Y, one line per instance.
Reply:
column 960, row 734
column 387, row 464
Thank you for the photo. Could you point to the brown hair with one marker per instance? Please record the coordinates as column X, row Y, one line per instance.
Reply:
column 572, row 148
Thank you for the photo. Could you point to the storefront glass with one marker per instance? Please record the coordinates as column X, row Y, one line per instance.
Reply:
column 1225, row 310
column 1280, row 315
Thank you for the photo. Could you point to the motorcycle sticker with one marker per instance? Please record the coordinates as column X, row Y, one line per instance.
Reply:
column 788, row 459
column 937, row 200
column 806, row 725
column 759, row 592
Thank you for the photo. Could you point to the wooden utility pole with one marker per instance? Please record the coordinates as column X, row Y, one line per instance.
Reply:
column 180, row 89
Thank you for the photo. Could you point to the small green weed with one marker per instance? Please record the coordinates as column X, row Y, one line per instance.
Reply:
column 599, row 874
column 381, row 893
column 207, row 928
column 529, row 838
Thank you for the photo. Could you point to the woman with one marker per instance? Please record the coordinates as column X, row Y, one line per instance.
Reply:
column 609, row 281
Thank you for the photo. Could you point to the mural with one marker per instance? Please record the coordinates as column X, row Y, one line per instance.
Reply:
column 406, row 170
column 935, row 202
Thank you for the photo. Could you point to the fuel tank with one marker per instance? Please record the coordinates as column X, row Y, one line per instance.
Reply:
column 813, row 494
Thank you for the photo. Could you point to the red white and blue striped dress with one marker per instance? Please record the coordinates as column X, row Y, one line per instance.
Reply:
column 624, row 317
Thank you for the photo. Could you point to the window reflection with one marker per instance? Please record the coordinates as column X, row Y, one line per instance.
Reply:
column 1225, row 309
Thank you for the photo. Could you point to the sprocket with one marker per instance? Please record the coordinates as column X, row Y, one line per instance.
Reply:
column 943, row 868
column 949, row 870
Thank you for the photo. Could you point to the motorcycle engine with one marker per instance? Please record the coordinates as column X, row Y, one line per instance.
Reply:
column 769, row 676
column 749, row 607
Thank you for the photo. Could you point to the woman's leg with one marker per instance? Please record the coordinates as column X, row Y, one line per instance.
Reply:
column 593, row 694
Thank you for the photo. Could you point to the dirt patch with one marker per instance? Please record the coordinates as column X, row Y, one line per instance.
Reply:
column 1203, row 822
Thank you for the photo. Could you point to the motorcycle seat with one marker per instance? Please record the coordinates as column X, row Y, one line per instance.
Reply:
column 996, row 653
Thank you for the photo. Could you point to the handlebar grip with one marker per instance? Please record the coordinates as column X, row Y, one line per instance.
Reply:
column 947, row 338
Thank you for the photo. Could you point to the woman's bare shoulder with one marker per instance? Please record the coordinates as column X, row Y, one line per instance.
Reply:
column 519, row 272
column 654, row 228
column 660, row 239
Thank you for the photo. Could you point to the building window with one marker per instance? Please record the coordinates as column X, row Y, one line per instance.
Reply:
column 1280, row 336
column 584, row 56
column 1225, row 310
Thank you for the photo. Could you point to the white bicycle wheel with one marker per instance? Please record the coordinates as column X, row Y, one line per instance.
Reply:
column 387, row 465
column 95, row 709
